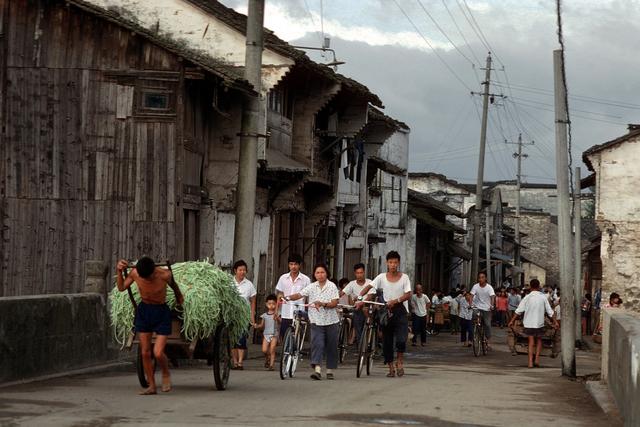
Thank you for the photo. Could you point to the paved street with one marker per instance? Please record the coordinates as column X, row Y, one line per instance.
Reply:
column 444, row 385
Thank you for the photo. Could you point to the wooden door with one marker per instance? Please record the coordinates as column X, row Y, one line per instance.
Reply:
column 351, row 258
column 191, row 234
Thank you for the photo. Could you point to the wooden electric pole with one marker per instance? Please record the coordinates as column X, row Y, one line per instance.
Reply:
column 517, row 253
column 475, row 254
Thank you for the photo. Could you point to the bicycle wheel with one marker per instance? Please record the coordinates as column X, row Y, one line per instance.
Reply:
column 363, row 350
column 435, row 330
column 286, row 359
column 370, row 349
column 476, row 340
column 296, row 353
column 343, row 340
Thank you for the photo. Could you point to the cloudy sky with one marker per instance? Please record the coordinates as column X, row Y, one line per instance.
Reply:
column 429, row 87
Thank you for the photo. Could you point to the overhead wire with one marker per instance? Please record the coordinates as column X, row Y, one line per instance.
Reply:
column 424, row 9
column 453, row 19
column 525, row 100
column 472, row 26
column 574, row 115
column 451, row 70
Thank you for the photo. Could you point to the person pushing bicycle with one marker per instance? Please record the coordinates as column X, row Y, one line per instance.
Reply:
column 396, row 291
column 484, row 300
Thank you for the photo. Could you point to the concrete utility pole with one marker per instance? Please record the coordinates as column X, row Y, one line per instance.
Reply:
column 487, row 243
column 249, row 134
column 517, row 256
column 568, row 324
column 480, row 180
column 577, row 254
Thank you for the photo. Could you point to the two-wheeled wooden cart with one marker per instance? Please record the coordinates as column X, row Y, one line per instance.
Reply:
column 215, row 349
column 519, row 343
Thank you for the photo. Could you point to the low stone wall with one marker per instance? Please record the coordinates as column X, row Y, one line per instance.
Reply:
column 45, row 334
column 621, row 362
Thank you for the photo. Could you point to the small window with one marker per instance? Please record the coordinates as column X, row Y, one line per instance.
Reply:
column 155, row 98
column 156, row 101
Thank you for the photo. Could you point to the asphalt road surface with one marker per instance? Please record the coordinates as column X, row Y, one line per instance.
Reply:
column 444, row 385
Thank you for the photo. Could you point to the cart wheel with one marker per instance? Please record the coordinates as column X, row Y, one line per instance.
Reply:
column 221, row 357
column 142, row 377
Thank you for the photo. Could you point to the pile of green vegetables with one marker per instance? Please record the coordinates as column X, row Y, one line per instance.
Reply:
column 210, row 297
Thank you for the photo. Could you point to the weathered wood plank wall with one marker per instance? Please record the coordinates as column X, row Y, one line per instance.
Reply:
column 81, row 176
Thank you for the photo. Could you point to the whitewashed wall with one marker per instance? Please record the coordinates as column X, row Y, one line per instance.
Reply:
column 618, row 217
column 223, row 240
column 183, row 22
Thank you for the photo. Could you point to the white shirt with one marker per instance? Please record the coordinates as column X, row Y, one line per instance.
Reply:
column 353, row 288
column 435, row 300
column 393, row 290
column 454, row 306
column 419, row 304
column 482, row 296
column 289, row 287
column 534, row 307
column 322, row 316
column 465, row 310
column 246, row 289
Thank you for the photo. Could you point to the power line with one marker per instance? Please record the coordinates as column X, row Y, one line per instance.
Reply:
column 575, row 109
column 477, row 60
column 581, row 98
column 443, row 32
column 472, row 26
column 454, row 151
column 432, row 48
column 574, row 115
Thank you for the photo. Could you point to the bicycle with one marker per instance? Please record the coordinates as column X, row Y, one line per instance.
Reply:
column 345, row 331
column 368, row 339
column 479, row 337
column 292, row 343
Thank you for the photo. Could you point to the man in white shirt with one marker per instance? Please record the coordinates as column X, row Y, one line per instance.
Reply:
column 420, row 305
column 291, row 283
column 352, row 290
column 484, row 299
column 396, row 291
column 534, row 306
column 453, row 313
column 248, row 292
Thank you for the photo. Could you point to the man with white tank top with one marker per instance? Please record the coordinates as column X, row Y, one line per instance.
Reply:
column 396, row 291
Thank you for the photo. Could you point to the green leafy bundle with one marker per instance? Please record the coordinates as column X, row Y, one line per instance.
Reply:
column 210, row 297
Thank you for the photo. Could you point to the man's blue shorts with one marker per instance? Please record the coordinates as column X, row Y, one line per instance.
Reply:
column 153, row 318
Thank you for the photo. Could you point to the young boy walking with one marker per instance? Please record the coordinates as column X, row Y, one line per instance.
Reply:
column 152, row 314
column 534, row 306
column 268, row 325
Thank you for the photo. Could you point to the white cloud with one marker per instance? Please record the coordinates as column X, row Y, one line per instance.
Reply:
column 287, row 27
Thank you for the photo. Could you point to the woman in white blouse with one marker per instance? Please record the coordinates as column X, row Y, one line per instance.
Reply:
column 323, row 297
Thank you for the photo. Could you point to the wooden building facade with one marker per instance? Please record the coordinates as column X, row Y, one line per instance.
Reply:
column 105, row 133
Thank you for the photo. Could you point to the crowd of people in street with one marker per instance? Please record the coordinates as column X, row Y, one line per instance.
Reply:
column 408, row 313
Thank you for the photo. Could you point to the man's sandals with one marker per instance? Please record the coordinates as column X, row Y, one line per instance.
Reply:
column 399, row 371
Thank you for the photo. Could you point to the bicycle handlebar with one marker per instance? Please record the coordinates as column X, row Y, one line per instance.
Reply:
column 284, row 301
column 346, row 306
column 374, row 303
